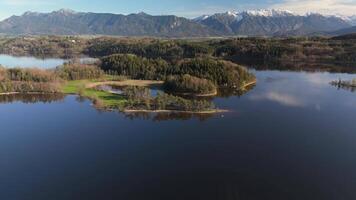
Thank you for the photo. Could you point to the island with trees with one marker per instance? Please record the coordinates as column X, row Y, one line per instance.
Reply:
column 136, row 75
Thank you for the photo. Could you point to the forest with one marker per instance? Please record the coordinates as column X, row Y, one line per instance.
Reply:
column 294, row 53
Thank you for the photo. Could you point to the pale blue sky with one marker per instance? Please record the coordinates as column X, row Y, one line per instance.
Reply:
column 186, row 8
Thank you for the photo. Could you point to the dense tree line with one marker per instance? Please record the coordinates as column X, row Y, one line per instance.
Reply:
column 20, row 80
column 219, row 72
column 316, row 51
column 254, row 49
column 222, row 73
column 189, row 84
column 280, row 53
column 79, row 72
column 28, row 81
column 28, row 87
column 135, row 67
column 19, row 74
column 45, row 46
column 171, row 51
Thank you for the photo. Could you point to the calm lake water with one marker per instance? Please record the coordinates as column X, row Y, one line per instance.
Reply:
column 292, row 137
column 30, row 62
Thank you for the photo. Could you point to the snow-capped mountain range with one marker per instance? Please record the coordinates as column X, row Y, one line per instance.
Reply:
column 273, row 13
column 245, row 23
column 274, row 22
column 350, row 19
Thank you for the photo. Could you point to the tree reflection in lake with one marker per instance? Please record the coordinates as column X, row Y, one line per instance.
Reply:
column 166, row 116
column 351, row 89
column 31, row 98
column 291, row 137
column 346, row 85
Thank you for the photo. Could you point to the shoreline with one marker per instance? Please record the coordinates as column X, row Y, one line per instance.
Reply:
column 176, row 111
column 198, row 95
column 248, row 84
column 24, row 93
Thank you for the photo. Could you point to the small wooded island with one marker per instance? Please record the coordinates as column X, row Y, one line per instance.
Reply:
column 183, row 83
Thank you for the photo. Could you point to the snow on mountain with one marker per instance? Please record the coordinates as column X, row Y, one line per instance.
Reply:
column 273, row 22
column 270, row 13
column 239, row 15
column 349, row 19
column 201, row 18
column 274, row 13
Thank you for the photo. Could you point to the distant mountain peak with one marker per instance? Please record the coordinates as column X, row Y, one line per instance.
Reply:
column 142, row 13
column 65, row 11
column 232, row 13
column 29, row 13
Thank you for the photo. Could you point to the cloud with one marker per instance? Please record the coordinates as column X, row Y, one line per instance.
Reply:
column 283, row 99
column 345, row 7
column 318, row 79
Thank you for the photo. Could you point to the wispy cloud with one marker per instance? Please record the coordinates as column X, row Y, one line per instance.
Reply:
column 345, row 7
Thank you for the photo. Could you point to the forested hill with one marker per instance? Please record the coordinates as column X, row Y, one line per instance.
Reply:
column 67, row 22
column 249, row 23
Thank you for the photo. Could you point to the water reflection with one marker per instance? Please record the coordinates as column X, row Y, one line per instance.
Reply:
column 263, row 65
column 30, row 62
column 351, row 89
column 298, row 89
column 264, row 149
column 348, row 85
column 37, row 62
column 51, row 98
column 283, row 99
column 31, row 98
column 167, row 116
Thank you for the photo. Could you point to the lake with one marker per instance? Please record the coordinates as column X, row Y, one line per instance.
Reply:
column 292, row 137
column 32, row 62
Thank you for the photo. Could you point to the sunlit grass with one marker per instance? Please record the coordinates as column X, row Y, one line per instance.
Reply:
column 108, row 99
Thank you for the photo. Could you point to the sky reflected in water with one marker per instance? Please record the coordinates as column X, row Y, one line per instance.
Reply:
column 292, row 137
